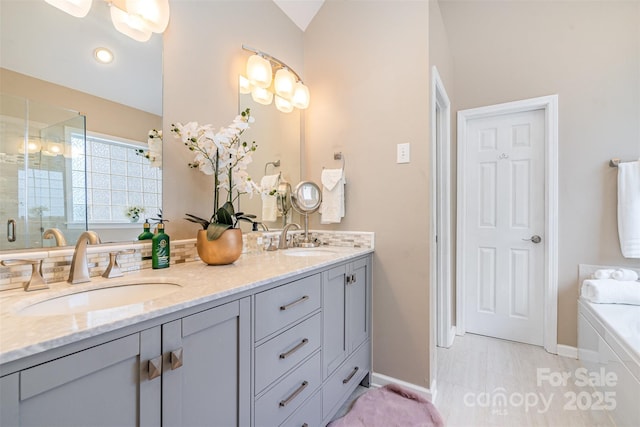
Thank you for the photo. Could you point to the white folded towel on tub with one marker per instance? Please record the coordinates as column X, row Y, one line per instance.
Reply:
column 624, row 273
column 611, row 291
column 603, row 273
column 629, row 208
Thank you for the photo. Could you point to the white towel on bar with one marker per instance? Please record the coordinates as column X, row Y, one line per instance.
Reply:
column 629, row 208
column 332, row 207
column 610, row 291
column 268, row 183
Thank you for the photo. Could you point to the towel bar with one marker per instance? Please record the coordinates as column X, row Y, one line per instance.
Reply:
column 275, row 164
column 338, row 156
column 615, row 162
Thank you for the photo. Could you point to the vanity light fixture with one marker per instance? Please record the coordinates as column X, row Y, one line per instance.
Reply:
column 103, row 55
column 262, row 83
column 134, row 18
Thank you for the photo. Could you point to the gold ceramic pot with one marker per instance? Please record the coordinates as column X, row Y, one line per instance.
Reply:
column 226, row 249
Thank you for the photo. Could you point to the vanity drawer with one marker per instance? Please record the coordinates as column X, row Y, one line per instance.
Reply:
column 283, row 352
column 272, row 408
column 282, row 306
column 309, row 414
column 345, row 379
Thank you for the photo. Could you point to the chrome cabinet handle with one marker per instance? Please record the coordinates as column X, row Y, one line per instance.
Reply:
column 175, row 358
column 288, row 400
column 294, row 349
column 155, row 367
column 351, row 278
column 535, row 239
column 346, row 380
column 291, row 304
column 11, row 230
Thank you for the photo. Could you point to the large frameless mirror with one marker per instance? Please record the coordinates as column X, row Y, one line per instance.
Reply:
column 47, row 59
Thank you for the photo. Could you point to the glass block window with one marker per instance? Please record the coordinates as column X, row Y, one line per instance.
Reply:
column 116, row 179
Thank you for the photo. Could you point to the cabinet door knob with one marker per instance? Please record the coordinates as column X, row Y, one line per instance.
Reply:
column 155, row 367
column 176, row 359
column 288, row 400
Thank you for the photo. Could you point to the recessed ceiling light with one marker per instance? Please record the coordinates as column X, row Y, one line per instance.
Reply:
column 103, row 55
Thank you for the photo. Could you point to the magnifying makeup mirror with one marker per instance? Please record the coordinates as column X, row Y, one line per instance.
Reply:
column 306, row 199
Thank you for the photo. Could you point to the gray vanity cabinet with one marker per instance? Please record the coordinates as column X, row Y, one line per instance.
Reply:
column 206, row 368
column 345, row 299
column 193, row 371
column 105, row 385
column 346, row 346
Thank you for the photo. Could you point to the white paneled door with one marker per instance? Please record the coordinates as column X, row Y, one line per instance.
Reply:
column 505, row 223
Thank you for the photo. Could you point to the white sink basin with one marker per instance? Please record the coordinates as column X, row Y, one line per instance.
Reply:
column 100, row 299
column 305, row 252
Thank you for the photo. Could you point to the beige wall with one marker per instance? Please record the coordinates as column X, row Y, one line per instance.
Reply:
column 588, row 52
column 103, row 116
column 203, row 57
column 367, row 67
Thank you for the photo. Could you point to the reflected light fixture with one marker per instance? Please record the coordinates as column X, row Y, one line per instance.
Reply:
column 261, row 95
column 134, row 18
column 262, row 83
column 77, row 8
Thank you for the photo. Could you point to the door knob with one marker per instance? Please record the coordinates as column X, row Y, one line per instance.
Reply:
column 535, row 239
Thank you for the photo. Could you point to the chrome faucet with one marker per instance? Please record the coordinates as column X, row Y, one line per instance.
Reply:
column 56, row 234
column 283, row 236
column 79, row 272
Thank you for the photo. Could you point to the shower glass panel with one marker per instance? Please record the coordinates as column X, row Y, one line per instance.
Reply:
column 40, row 145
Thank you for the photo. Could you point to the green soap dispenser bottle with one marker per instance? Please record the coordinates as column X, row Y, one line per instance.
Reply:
column 160, row 249
column 146, row 233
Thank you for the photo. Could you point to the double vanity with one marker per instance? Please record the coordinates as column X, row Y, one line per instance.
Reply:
column 277, row 338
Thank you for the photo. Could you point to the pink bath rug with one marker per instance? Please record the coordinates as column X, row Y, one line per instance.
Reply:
column 390, row 406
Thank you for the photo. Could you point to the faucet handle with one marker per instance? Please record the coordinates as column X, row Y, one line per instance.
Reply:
column 36, row 281
column 113, row 270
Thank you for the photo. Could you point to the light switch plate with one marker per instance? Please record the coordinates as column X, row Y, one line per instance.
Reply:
column 404, row 153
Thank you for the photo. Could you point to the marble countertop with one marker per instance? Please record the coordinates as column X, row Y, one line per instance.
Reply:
column 25, row 335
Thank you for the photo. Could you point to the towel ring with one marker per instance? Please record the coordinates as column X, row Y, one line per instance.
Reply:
column 275, row 164
column 338, row 156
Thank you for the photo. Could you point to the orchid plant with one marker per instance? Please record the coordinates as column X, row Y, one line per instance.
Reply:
column 154, row 153
column 221, row 154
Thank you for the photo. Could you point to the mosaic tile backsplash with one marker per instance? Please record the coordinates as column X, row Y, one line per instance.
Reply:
column 56, row 264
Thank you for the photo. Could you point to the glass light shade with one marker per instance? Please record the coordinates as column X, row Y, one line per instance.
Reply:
column 300, row 96
column 261, row 95
column 130, row 25
column 283, row 105
column 244, row 85
column 154, row 12
column 259, row 71
column 284, row 83
column 77, row 8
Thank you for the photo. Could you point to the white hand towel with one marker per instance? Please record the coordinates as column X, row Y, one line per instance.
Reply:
column 611, row 291
column 624, row 274
column 629, row 208
column 332, row 208
column 268, row 183
column 603, row 273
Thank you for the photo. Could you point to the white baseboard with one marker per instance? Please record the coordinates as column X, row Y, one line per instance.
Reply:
column 567, row 351
column 380, row 380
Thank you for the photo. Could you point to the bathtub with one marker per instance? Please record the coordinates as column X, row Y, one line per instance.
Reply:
column 609, row 343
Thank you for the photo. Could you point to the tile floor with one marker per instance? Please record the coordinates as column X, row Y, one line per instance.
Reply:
column 477, row 371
